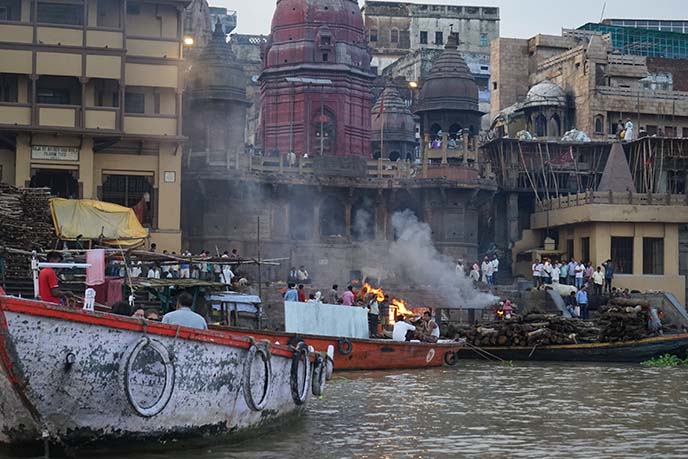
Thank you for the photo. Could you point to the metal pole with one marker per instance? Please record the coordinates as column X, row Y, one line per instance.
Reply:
column 260, row 278
column 322, row 115
column 291, row 123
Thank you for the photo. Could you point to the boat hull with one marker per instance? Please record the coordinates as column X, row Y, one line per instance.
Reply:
column 622, row 352
column 89, row 378
column 365, row 354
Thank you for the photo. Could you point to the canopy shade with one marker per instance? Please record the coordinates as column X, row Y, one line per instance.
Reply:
column 111, row 224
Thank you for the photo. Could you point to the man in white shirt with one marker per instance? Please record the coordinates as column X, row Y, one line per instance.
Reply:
column 580, row 271
column 546, row 272
column 400, row 329
column 184, row 316
column 489, row 273
column 495, row 268
column 483, row 269
column 536, row 273
column 556, row 272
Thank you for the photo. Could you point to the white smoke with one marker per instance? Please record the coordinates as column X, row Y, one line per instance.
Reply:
column 416, row 258
column 363, row 221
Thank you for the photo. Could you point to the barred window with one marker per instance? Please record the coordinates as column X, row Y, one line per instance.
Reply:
column 653, row 255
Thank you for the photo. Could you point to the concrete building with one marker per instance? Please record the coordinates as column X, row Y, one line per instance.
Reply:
column 662, row 25
column 397, row 28
column 597, row 87
column 91, row 103
column 331, row 213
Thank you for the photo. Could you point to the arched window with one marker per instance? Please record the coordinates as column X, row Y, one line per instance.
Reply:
column 554, row 129
column 301, row 220
column 332, row 217
column 541, row 125
column 393, row 156
column 363, row 220
column 394, row 36
column 373, row 35
column 324, row 132
column 599, row 124
column 455, row 129
column 435, row 129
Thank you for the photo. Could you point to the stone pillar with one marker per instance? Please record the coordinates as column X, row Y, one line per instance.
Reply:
column 671, row 250
column 380, row 217
column 445, row 138
column 512, row 229
column 424, row 153
column 637, row 254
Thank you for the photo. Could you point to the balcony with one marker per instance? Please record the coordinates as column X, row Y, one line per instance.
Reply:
column 158, row 125
column 64, row 116
column 101, row 118
column 166, row 49
column 15, row 114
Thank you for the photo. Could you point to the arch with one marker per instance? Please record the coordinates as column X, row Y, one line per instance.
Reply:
column 363, row 220
column 540, row 125
column 435, row 128
column 332, row 217
column 324, row 122
column 455, row 129
column 301, row 219
column 394, row 155
column 394, row 35
column 554, row 128
column 376, row 154
column 599, row 124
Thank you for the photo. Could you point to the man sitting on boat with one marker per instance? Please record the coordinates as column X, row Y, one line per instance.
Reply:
column 401, row 328
column 184, row 316
column 48, row 283
column 430, row 331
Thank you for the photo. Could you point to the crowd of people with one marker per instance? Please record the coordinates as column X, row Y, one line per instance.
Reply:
column 485, row 272
column 576, row 273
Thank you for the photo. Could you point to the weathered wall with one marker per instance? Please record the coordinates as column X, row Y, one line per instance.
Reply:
column 509, row 61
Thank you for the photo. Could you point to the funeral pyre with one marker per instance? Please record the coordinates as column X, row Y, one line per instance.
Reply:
column 25, row 223
column 623, row 319
column 397, row 306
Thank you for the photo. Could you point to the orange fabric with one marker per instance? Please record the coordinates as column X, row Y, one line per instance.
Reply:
column 47, row 281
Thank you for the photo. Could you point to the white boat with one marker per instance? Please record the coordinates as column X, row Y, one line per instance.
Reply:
column 77, row 378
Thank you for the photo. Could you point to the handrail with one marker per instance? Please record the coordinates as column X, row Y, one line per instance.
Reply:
column 615, row 198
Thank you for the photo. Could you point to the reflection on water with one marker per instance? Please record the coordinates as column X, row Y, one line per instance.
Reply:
column 479, row 409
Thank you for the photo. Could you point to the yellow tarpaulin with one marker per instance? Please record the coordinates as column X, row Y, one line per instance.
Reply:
column 90, row 219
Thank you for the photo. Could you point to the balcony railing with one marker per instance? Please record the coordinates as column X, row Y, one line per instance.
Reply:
column 53, row 115
column 616, row 198
column 15, row 114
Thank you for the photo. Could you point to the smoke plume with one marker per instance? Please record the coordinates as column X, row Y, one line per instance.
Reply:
column 416, row 258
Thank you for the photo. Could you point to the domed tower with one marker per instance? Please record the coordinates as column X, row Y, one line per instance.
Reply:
column 545, row 110
column 393, row 121
column 215, row 117
column 315, row 87
column 448, row 100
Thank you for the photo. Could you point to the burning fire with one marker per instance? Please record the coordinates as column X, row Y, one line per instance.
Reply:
column 397, row 306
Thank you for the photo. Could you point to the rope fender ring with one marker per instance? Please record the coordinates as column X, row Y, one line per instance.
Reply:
column 319, row 375
column 450, row 358
column 167, row 391
column 345, row 346
column 263, row 352
column 300, row 394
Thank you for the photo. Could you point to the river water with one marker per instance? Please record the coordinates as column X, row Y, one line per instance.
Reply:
column 482, row 409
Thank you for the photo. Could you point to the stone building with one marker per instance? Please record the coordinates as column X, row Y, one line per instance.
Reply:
column 90, row 103
column 393, row 122
column 315, row 85
column 396, row 28
column 600, row 86
column 331, row 213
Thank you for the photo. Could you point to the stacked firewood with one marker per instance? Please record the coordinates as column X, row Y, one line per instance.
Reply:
column 533, row 329
column 26, row 224
column 623, row 319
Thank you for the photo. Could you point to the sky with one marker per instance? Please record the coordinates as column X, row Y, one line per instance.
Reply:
column 519, row 18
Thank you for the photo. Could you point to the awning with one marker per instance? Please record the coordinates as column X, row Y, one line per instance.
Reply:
column 89, row 219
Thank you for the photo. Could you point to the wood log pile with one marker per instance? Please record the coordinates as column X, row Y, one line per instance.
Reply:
column 25, row 223
column 530, row 330
column 623, row 319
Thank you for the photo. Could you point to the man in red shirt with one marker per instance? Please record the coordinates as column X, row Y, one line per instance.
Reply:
column 302, row 294
column 48, row 282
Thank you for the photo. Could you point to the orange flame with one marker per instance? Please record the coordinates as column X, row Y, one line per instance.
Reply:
column 378, row 292
column 397, row 306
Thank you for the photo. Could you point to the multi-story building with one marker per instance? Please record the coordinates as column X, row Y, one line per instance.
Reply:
column 90, row 103
column 643, row 41
column 396, row 28
column 663, row 25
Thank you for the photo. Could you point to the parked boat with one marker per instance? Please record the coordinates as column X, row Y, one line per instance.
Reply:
column 86, row 378
column 365, row 354
column 627, row 351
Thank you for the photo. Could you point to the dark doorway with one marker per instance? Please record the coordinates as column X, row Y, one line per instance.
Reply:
column 61, row 183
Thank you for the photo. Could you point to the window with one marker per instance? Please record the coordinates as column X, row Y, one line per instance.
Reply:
column 622, row 254
column 494, row 85
column 325, row 57
column 130, row 191
column 585, row 249
column 325, row 40
column 373, row 34
column 60, row 13
column 55, row 96
column 373, row 69
column 156, row 103
column 133, row 9
column 569, row 248
column 670, row 131
column 394, row 36
column 438, row 38
column 10, row 10
column 109, row 13
column 8, row 87
column 483, row 39
column 653, row 255
column 134, row 102
column 599, row 125
column 423, row 37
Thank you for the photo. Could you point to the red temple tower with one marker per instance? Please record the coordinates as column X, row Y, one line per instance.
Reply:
column 315, row 86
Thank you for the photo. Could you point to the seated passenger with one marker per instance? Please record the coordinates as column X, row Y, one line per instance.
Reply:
column 430, row 329
column 184, row 316
column 401, row 327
